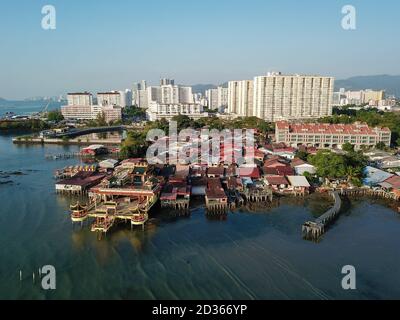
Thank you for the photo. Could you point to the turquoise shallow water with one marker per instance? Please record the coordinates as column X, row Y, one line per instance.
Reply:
column 247, row 256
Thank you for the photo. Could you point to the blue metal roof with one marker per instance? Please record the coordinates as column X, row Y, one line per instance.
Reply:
column 374, row 176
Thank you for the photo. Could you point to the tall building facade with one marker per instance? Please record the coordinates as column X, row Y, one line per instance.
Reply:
column 112, row 98
column 166, row 82
column 186, row 95
column 80, row 99
column 360, row 97
column 142, row 99
column 217, row 98
column 372, row 95
column 280, row 97
column 240, row 98
column 157, row 111
column 222, row 97
column 212, row 98
column 277, row 97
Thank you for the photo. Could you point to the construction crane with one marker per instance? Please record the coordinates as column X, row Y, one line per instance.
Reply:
column 45, row 108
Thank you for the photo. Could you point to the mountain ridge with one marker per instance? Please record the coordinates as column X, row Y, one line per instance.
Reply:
column 389, row 83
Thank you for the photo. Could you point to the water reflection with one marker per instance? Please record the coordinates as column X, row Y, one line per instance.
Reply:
column 189, row 257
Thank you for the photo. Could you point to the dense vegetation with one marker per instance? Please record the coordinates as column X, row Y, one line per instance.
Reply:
column 134, row 112
column 24, row 125
column 55, row 116
column 372, row 117
column 100, row 121
column 331, row 165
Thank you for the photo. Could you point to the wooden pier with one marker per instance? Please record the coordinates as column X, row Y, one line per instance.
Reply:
column 359, row 192
column 258, row 195
column 178, row 204
column 313, row 230
column 216, row 207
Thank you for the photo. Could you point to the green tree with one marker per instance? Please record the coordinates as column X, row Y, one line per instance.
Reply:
column 303, row 155
column 381, row 146
column 348, row 147
column 134, row 146
column 183, row 122
column 101, row 120
column 55, row 115
column 329, row 165
column 134, row 112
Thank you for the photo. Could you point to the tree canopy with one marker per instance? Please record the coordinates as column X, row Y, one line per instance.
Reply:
column 331, row 165
column 55, row 115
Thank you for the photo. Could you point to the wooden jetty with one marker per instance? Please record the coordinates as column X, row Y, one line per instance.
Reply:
column 359, row 192
column 176, row 204
column 313, row 230
column 258, row 194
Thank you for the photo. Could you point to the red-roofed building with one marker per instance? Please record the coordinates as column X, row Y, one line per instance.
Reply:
column 274, row 162
column 277, row 183
column 216, row 198
column 330, row 135
column 392, row 183
column 278, row 171
column 215, row 172
column 248, row 172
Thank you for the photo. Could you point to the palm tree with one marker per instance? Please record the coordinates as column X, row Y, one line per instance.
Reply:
column 352, row 173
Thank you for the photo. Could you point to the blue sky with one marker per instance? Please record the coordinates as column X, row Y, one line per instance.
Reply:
column 104, row 44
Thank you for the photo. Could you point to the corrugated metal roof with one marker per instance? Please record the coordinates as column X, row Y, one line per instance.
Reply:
column 298, row 181
column 374, row 176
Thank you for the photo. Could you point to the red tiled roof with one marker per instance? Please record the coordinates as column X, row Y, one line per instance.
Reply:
column 285, row 171
column 214, row 189
column 219, row 171
column 278, row 171
column 274, row 162
column 271, row 160
column 277, row 180
column 297, row 162
column 287, row 149
column 357, row 128
column 83, row 179
column 270, row 171
column 253, row 173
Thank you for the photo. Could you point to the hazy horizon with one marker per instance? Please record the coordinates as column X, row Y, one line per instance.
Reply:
column 103, row 45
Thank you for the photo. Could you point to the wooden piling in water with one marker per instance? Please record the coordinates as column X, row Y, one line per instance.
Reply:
column 313, row 230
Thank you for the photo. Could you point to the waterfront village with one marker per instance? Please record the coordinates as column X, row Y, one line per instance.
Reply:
column 302, row 145
column 126, row 191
